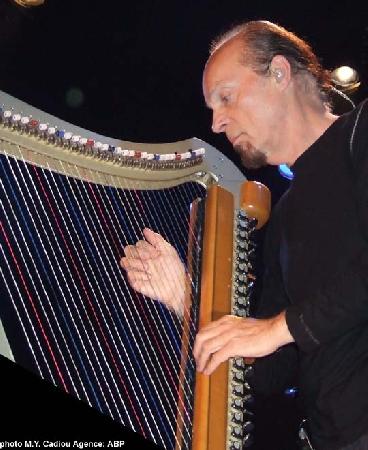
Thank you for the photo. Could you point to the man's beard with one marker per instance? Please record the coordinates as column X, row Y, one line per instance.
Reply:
column 251, row 157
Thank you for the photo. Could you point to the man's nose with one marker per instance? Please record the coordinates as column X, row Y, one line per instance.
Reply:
column 219, row 122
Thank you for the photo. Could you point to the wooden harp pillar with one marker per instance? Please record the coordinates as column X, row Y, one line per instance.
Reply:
column 220, row 420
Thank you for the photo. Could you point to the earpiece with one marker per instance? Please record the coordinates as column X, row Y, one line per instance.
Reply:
column 277, row 73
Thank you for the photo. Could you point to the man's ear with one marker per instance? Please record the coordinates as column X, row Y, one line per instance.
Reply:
column 280, row 70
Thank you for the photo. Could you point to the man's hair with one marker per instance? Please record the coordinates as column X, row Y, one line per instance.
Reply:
column 263, row 40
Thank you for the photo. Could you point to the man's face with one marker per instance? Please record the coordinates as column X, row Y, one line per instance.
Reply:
column 246, row 106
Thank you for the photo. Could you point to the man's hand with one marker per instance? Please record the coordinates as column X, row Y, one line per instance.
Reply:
column 233, row 336
column 154, row 269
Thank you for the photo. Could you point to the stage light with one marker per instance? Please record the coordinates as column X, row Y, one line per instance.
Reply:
column 28, row 3
column 345, row 78
column 286, row 172
column 74, row 97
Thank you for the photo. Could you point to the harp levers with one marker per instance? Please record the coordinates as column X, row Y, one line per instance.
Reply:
column 70, row 202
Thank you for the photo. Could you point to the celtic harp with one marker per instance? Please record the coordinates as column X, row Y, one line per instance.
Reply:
column 70, row 201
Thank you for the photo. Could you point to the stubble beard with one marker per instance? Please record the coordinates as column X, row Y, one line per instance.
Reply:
column 251, row 157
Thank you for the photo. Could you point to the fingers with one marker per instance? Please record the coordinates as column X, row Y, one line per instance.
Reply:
column 147, row 250
column 155, row 239
column 142, row 250
column 133, row 277
column 137, row 255
column 217, row 342
column 133, row 264
column 234, row 336
column 222, row 355
column 143, row 287
column 210, row 343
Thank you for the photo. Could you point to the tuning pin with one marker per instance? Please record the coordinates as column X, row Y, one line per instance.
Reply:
column 242, row 245
column 15, row 120
column 238, row 390
column 241, row 301
column 6, row 116
column 237, row 432
column 238, row 376
column 238, row 363
column 242, row 289
column 237, row 417
column 51, row 134
column 59, row 135
column 238, row 404
column 33, row 126
column 241, row 311
column 241, row 278
column 42, row 130
column 241, row 214
column 67, row 138
column 242, row 234
column 242, row 224
column 243, row 267
column 236, row 445
column 24, row 121
column 97, row 147
column 242, row 256
column 74, row 141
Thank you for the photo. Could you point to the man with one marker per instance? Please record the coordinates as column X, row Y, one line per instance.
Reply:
column 269, row 95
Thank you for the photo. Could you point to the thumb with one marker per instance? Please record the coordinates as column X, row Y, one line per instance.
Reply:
column 155, row 239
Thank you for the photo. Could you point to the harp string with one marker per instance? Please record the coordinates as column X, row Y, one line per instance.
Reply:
column 166, row 330
column 187, row 410
column 158, row 225
column 173, row 238
column 56, row 258
column 117, row 249
column 106, row 312
column 61, row 271
column 91, row 212
column 185, row 225
column 37, row 274
column 180, row 226
column 61, row 291
column 105, row 344
column 188, row 417
column 101, row 221
column 27, row 289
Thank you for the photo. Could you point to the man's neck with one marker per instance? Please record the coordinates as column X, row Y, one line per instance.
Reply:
column 306, row 128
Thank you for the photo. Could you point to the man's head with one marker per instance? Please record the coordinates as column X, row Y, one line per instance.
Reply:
column 254, row 73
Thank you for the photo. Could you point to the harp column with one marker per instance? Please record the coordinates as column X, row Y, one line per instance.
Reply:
column 220, row 415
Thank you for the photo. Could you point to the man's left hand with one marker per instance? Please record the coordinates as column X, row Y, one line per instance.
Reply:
column 233, row 336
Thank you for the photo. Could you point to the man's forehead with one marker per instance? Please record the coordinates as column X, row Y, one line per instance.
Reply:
column 221, row 67
column 230, row 50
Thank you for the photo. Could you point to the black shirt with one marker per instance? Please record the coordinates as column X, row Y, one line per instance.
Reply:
column 317, row 269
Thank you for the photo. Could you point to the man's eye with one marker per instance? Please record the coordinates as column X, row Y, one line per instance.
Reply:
column 225, row 99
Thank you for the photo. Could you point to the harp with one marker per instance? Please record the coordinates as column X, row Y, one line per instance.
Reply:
column 70, row 201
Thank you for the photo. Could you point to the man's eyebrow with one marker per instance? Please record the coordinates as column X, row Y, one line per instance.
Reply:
column 210, row 96
column 215, row 91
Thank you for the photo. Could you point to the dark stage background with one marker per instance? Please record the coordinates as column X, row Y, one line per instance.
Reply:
column 133, row 70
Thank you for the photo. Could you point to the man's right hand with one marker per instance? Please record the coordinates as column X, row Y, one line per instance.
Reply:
column 154, row 269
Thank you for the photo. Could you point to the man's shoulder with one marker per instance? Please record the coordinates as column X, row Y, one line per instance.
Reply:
column 358, row 138
column 356, row 115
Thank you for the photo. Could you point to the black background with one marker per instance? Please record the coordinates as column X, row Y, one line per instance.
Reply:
column 139, row 67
